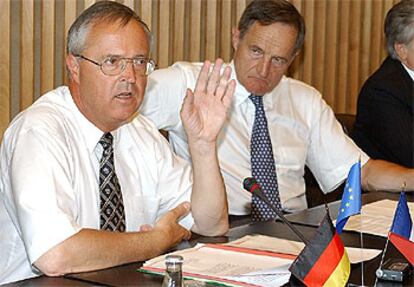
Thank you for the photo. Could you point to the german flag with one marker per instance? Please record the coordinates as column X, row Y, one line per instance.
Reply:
column 323, row 261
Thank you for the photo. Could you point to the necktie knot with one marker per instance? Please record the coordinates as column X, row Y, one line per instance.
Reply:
column 257, row 101
column 106, row 141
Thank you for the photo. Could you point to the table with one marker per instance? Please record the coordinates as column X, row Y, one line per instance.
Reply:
column 312, row 216
column 306, row 221
column 43, row 281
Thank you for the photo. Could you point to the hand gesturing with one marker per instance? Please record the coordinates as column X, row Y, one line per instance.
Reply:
column 204, row 111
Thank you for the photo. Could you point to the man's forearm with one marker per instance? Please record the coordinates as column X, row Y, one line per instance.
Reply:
column 383, row 175
column 208, row 198
column 91, row 249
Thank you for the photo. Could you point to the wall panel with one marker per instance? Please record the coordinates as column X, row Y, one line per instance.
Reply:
column 343, row 46
column 47, row 46
column 5, row 95
column 27, row 54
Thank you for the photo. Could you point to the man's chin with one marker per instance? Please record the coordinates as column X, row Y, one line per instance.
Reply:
column 258, row 87
column 259, row 92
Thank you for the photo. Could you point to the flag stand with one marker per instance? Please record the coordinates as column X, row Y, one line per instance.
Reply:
column 382, row 259
column 362, row 251
column 403, row 187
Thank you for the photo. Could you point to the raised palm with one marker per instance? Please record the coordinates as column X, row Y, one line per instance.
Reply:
column 204, row 111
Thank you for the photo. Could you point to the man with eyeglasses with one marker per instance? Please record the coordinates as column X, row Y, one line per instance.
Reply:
column 301, row 129
column 86, row 183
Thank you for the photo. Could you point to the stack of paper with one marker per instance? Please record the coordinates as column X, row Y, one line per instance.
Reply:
column 254, row 260
column 231, row 266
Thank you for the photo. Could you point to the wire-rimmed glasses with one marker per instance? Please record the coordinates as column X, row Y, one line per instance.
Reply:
column 115, row 65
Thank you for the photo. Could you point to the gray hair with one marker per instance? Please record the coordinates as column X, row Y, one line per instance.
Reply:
column 107, row 11
column 399, row 25
column 267, row 12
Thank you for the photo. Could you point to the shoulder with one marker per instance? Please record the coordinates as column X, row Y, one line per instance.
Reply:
column 389, row 77
column 44, row 124
column 293, row 86
column 47, row 113
column 298, row 93
column 299, row 101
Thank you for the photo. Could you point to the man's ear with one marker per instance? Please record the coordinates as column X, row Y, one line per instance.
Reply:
column 72, row 66
column 402, row 51
column 235, row 38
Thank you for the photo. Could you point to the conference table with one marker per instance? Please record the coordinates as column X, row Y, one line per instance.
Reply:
column 305, row 221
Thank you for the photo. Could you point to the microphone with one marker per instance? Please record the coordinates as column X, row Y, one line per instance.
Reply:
column 250, row 184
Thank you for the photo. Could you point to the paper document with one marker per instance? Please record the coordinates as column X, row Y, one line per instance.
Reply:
column 229, row 265
column 375, row 218
column 278, row 245
column 266, row 278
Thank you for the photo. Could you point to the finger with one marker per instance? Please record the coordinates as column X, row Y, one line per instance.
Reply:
column 188, row 102
column 203, row 78
column 145, row 227
column 187, row 235
column 224, row 82
column 228, row 96
column 180, row 210
column 214, row 78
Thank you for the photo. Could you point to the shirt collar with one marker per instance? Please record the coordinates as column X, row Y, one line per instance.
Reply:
column 89, row 131
column 409, row 71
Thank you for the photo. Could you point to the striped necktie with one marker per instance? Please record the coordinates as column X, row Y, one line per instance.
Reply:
column 263, row 164
column 112, row 214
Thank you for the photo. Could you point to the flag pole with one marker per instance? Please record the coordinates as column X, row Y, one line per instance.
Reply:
column 361, row 236
column 382, row 259
column 403, row 187
column 362, row 250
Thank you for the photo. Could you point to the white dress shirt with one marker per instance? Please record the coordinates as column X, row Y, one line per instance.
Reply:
column 302, row 127
column 49, row 182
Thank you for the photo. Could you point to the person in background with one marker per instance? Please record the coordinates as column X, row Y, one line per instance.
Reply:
column 85, row 182
column 384, row 126
column 299, row 126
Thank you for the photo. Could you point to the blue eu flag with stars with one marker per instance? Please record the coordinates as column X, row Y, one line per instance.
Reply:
column 351, row 198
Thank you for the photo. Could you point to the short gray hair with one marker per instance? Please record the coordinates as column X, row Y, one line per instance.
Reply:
column 107, row 11
column 268, row 12
column 399, row 25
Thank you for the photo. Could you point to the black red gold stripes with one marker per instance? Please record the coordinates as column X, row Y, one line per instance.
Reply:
column 324, row 261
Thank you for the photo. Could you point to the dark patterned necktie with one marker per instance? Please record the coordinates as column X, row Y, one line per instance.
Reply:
column 263, row 164
column 112, row 215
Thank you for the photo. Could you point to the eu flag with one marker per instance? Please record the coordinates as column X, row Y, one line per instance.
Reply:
column 351, row 198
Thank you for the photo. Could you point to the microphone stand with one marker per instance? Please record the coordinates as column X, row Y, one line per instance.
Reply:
column 256, row 189
column 281, row 216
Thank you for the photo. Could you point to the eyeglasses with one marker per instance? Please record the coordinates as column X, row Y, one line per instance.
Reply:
column 114, row 65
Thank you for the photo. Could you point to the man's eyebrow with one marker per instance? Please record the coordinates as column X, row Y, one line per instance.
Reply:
column 111, row 55
column 122, row 56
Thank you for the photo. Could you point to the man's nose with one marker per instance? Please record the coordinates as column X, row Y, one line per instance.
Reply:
column 263, row 67
column 129, row 72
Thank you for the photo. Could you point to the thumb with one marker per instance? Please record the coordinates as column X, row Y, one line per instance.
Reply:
column 181, row 210
column 188, row 102
column 145, row 227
